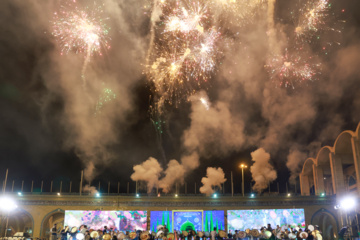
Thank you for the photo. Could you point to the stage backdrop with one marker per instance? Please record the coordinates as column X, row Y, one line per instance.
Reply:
column 187, row 220
column 213, row 219
column 255, row 219
column 160, row 218
column 119, row 220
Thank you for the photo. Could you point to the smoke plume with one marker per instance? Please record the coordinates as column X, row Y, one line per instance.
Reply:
column 149, row 171
column 242, row 105
column 90, row 189
column 214, row 178
column 262, row 171
column 174, row 172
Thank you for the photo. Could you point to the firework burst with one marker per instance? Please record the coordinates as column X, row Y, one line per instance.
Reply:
column 82, row 30
column 292, row 69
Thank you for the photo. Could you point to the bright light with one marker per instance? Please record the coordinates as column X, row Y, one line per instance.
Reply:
column 7, row 204
column 252, row 195
column 20, row 193
column 289, row 195
column 176, row 195
column 137, row 195
column 58, row 194
column 243, row 166
column 215, row 195
column 348, row 203
column 323, row 194
column 97, row 194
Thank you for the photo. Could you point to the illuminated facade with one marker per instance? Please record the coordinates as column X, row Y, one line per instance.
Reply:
column 37, row 213
column 336, row 169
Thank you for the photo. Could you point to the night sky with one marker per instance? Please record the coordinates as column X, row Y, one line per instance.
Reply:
column 47, row 133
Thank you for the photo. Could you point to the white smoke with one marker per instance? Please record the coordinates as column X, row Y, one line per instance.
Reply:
column 149, row 171
column 262, row 171
column 174, row 172
column 90, row 189
column 214, row 178
column 89, row 171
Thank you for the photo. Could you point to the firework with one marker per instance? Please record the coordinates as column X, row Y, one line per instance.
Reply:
column 106, row 96
column 291, row 69
column 81, row 30
column 185, row 53
column 313, row 16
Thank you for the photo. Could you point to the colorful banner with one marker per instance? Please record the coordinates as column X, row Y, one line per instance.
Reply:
column 160, row 218
column 187, row 220
column 117, row 220
column 213, row 219
column 255, row 219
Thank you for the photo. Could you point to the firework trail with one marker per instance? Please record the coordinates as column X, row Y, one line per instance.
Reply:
column 81, row 30
column 300, row 62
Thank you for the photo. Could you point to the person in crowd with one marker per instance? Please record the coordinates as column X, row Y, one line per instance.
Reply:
column 317, row 233
column 230, row 235
column 64, row 232
column 342, row 232
column 54, row 232
column 87, row 234
column 166, row 231
column 310, row 236
column 213, row 234
column 236, row 235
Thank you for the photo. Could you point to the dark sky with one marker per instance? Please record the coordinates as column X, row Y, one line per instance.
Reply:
column 41, row 134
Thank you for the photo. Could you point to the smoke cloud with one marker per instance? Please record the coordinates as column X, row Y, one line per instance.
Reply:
column 90, row 189
column 174, row 172
column 262, row 171
column 214, row 178
column 45, row 104
column 149, row 171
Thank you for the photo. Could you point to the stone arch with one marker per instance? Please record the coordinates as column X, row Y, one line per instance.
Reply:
column 324, row 174
column 342, row 143
column 20, row 221
column 56, row 216
column 323, row 163
column 344, row 152
column 327, row 222
column 307, row 176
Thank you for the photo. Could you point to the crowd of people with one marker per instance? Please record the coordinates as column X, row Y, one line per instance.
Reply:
column 284, row 232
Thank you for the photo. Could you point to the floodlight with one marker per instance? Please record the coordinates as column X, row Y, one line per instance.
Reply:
column 348, row 203
column 7, row 204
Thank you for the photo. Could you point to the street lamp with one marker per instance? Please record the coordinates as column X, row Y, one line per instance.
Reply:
column 7, row 205
column 242, row 166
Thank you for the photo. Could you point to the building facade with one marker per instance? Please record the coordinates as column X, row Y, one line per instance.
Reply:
column 36, row 214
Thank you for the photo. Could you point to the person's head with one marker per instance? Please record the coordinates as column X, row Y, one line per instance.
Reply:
column 236, row 231
column 269, row 225
column 214, row 228
column 277, row 226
